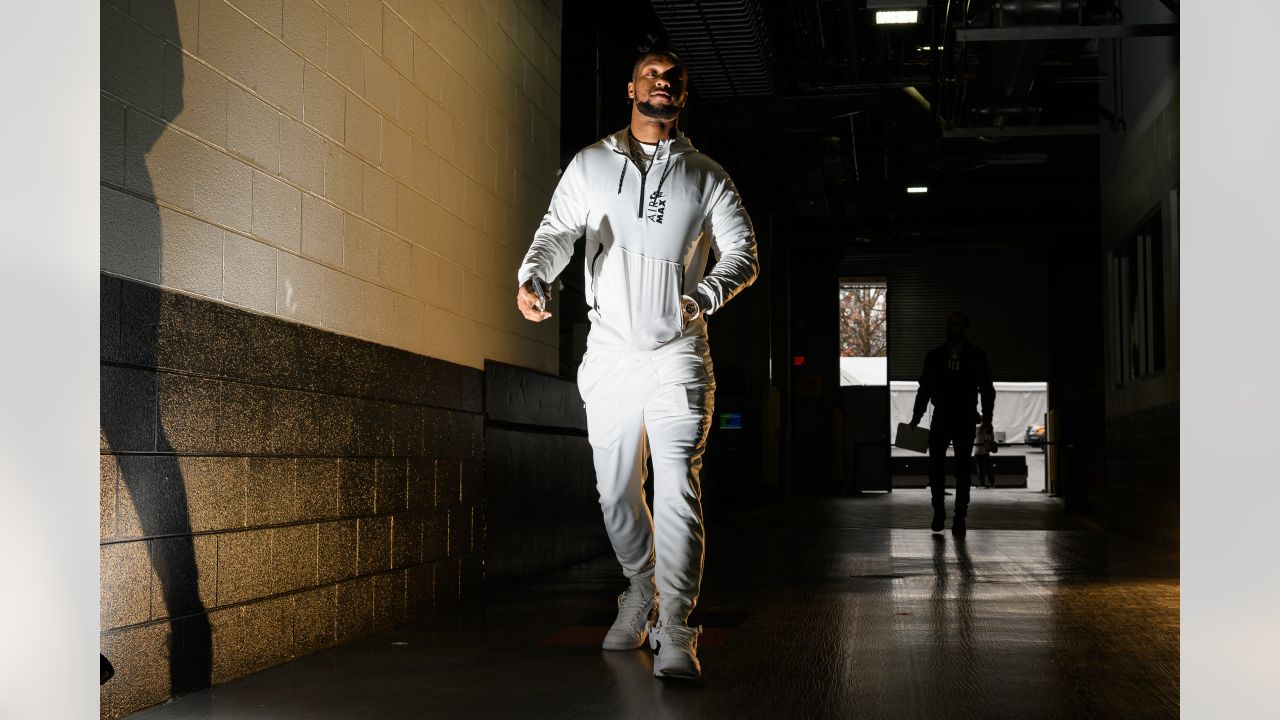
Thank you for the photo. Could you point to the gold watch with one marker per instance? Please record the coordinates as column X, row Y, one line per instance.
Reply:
column 690, row 307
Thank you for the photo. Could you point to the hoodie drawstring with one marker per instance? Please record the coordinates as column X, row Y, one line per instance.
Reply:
column 623, row 174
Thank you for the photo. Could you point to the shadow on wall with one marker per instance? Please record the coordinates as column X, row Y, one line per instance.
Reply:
column 157, row 481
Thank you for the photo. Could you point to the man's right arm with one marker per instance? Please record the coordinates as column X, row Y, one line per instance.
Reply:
column 922, row 395
column 564, row 222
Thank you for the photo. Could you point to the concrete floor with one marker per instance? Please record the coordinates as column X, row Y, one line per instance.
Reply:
column 819, row 608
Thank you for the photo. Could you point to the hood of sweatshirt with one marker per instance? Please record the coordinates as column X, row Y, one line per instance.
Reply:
column 678, row 145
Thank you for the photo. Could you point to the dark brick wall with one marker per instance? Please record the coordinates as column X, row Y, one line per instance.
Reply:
column 270, row 489
column 542, row 505
column 1143, row 473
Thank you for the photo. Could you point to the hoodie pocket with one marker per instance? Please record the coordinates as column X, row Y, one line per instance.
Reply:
column 652, row 290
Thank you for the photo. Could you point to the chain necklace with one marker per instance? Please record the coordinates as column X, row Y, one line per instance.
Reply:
column 638, row 155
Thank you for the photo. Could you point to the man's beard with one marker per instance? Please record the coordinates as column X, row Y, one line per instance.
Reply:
column 665, row 112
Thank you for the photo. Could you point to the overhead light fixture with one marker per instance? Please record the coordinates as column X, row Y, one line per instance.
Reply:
column 917, row 189
column 897, row 17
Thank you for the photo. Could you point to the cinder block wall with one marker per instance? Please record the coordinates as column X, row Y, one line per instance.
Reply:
column 312, row 213
column 269, row 489
column 372, row 168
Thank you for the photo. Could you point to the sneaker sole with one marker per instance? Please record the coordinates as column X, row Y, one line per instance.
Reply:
column 670, row 675
column 644, row 638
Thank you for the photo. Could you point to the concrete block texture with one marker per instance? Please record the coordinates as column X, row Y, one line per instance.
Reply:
column 194, row 96
column 300, row 287
column 253, row 130
column 323, row 230
column 278, row 76
column 174, row 21
column 378, row 197
column 301, row 155
column 263, row 12
column 363, row 130
column 397, row 41
column 345, row 59
column 226, row 38
column 268, row 489
column 358, row 103
column 190, row 254
column 126, row 584
column 132, row 62
column 249, row 273
column 324, row 103
column 129, row 236
column 277, row 212
column 141, row 657
column 343, row 178
column 365, row 20
column 177, row 169
column 382, row 85
column 305, row 29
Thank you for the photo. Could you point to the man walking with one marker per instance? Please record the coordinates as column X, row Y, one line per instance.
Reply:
column 955, row 373
column 652, row 208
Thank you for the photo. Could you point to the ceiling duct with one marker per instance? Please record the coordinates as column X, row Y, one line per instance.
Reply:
column 724, row 43
column 999, row 96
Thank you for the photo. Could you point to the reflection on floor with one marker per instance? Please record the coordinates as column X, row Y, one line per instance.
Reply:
column 820, row 608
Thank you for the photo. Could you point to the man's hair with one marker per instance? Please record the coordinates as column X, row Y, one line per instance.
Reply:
column 658, row 51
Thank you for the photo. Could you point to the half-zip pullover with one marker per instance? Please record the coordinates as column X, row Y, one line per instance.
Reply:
column 648, row 249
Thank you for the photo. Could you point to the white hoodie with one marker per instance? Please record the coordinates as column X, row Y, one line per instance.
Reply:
column 648, row 235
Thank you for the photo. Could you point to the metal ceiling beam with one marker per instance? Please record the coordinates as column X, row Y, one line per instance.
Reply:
column 1064, row 32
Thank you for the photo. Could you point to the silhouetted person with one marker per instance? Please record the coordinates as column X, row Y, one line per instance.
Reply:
column 954, row 374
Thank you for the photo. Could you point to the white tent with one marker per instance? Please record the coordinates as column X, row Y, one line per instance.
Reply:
column 1017, row 406
column 864, row 371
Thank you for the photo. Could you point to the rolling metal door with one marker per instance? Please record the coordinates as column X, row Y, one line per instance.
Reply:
column 1005, row 296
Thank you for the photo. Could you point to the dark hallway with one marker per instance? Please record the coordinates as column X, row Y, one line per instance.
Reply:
column 835, row 608
column 684, row 359
column 386, row 479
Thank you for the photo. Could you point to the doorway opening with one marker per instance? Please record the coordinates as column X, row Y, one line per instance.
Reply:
column 864, row 332
column 864, row 384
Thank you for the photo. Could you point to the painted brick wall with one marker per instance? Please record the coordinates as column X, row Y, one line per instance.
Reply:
column 269, row 489
column 371, row 168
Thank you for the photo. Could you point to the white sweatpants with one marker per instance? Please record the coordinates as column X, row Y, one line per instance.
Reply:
column 652, row 404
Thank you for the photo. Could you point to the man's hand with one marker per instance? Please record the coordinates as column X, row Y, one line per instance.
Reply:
column 987, row 428
column 915, row 422
column 529, row 304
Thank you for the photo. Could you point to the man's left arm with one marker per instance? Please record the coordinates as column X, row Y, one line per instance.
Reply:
column 733, row 240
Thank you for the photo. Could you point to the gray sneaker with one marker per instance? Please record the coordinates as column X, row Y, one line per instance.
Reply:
column 636, row 608
column 677, row 646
